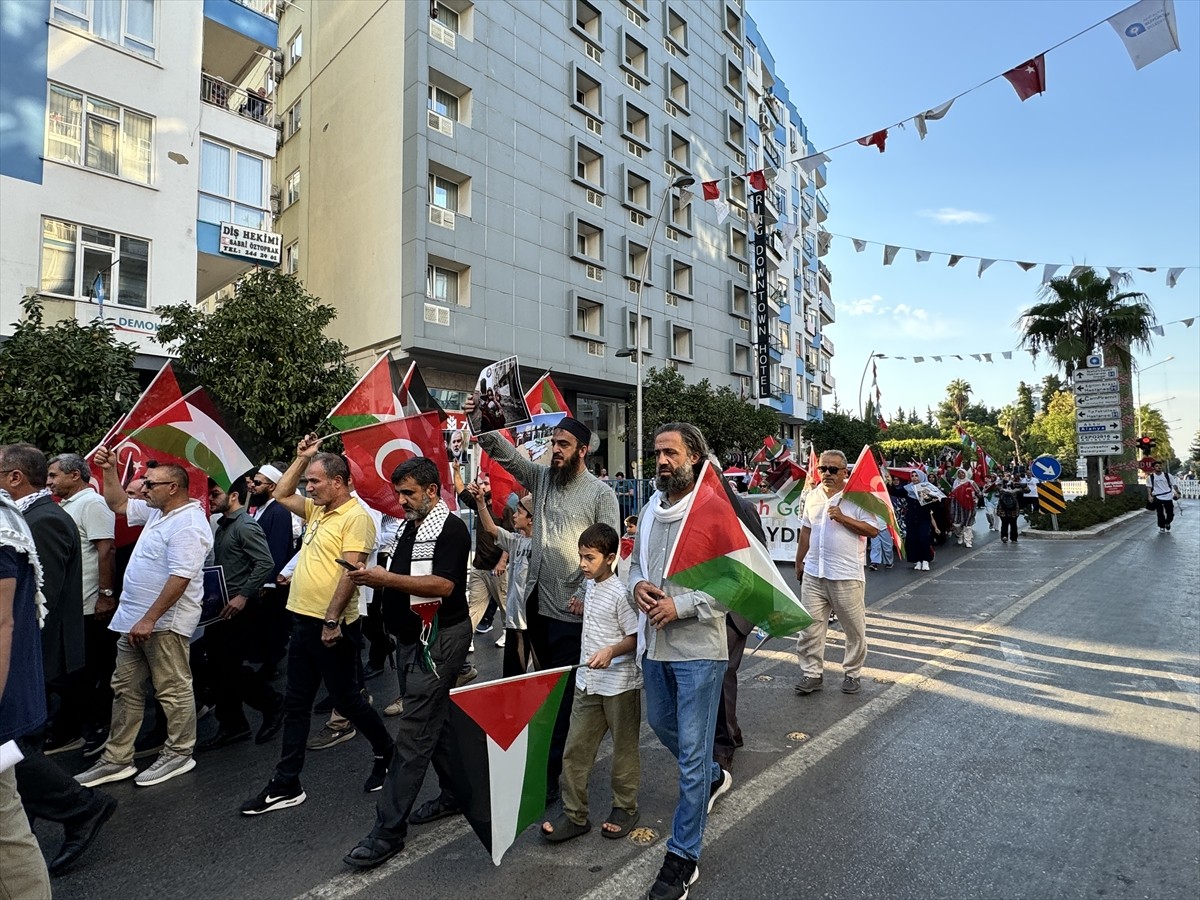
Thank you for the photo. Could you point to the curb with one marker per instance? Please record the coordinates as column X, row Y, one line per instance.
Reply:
column 1083, row 533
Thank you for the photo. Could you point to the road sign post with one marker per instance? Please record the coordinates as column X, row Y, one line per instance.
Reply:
column 1050, row 499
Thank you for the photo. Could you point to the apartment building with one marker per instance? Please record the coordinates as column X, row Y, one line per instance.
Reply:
column 467, row 181
column 136, row 140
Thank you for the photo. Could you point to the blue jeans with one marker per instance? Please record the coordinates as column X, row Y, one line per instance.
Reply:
column 681, row 706
column 881, row 548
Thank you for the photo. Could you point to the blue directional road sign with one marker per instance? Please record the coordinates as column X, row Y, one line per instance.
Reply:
column 1046, row 468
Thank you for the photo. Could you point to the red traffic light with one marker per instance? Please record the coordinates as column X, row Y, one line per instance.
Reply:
column 1146, row 444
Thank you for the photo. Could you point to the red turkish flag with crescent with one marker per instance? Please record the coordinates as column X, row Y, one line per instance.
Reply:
column 1029, row 77
column 374, row 451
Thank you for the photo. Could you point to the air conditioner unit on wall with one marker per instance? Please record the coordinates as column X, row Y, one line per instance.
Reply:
column 442, row 217
column 440, row 123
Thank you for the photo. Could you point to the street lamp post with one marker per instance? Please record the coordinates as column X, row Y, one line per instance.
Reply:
column 678, row 184
column 862, row 413
column 1137, row 413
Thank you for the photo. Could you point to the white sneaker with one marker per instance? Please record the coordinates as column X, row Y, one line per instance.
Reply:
column 166, row 767
column 500, row 643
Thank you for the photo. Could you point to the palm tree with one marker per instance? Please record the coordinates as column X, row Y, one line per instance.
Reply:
column 958, row 392
column 1081, row 314
column 1012, row 422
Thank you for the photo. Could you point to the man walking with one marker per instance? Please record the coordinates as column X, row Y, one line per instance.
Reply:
column 567, row 499
column 326, row 634
column 240, row 549
column 429, row 561
column 87, row 704
column 830, row 555
column 158, row 613
column 1162, row 494
column 686, row 656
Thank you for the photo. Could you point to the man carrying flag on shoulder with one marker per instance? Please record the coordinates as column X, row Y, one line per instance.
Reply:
column 686, row 655
column 829, row 566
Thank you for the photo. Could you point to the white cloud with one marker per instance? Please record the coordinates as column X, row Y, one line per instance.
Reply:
column 863, row 307
column 948, row 215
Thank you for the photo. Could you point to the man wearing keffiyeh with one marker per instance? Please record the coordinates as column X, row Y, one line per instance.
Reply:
column 424, row 602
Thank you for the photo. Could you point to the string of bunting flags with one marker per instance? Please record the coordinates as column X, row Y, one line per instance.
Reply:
column 1159, row 330
column 1147, row 29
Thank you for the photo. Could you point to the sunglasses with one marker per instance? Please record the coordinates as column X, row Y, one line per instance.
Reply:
column 829, row 470
column 154, row 484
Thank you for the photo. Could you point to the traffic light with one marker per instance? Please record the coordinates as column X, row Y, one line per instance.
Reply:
column 1145, row 444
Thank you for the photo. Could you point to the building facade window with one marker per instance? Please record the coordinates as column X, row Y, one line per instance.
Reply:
column 681, row 279
column 446, row 17
column 93, row 133
column 676, row 30
column 636, row 60
column 587, row 241
column 126, row 23
column 443, row 102
column 589, row 318
column 291, row 258
column 232, row 186
column 448, row 282
column 681, row 343
column 587, row 20
column 293, row 188
column 292, row 120
column 589, row 166
column 637, row 192
column 295, row 49
column 81, row 261
column 637, row 125
column 677, row 90
column 443, row 193
column 588, row 95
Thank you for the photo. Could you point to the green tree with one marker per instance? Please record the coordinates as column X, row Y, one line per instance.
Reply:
column 839, row 431
column 903, row 431
column 263, row 355
column 958, row 394
column 730, row 424
column 1193, row 462
column 1013, row 422
column 1053, row 431
column 1051, row 385
column 62, row 386
column 1025, row 402
column 1082, row 314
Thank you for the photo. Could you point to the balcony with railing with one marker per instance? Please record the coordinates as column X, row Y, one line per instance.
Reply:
column 252, row 104
column 827, row 310
column 239, row 35
column 822, row 207
column 825, row 273
column 826, row 344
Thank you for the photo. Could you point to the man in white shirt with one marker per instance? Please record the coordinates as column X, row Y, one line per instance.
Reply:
column 1162, row 495
column 159, row 610
column 830, row 556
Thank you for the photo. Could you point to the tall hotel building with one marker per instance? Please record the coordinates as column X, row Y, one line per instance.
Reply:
column 467, row 181
column 132, row 134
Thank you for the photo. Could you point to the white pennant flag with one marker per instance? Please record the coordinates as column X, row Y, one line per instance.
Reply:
column 1147, row 29
column 1159, row 330
column 937, row 359
column 1188, row 322
column 1173, row 276
column 859, row 246
column 1076, row 271
column 685, row 199
column 922, row 255
column 788, row 234
column 983, row 265
column 1007, row 354
column 1114, row 275
column 722, row 210
column 755, row 221
column 824, row 242
column 918, row 359
column 976, row 357
column 1048, row 272
column 931, row 115
column 987, row 357
column 889, row 253
column 809, row 164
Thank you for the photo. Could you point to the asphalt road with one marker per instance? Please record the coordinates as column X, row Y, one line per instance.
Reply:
column 1029, row 727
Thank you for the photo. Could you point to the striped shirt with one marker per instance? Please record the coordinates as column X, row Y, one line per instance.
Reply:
column 607, row 619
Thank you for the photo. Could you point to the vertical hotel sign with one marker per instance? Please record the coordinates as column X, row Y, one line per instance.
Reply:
column 762, row 313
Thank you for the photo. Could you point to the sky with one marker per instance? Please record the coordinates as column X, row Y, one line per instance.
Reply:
column 1103, row 169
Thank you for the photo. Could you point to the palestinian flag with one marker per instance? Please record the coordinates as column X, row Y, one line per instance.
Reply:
column 375, row 398
column 772, row 449
column 499, row 748
column 787, row 480
column 414, row 398
column 545, row 397
column 192, row 430
column 866, row 490
column 715, row 553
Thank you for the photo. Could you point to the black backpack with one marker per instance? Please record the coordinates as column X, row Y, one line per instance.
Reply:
column 1007, row 502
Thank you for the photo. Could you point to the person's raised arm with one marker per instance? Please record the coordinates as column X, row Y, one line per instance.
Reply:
column 285, row 490
column 481, row 509
column 526, row 471
column 114, row 492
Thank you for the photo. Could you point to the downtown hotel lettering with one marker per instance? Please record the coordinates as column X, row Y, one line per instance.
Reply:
column 762, row 313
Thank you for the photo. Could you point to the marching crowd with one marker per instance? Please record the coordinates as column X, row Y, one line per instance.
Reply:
column 99, row 630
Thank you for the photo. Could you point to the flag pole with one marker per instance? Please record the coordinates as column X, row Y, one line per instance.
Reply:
column 385, row 354
column 112, row 432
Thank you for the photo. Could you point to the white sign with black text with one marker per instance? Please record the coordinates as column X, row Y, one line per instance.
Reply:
column 250, row 243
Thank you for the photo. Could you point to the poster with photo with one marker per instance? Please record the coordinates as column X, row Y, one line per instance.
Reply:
column 457, row 438
column 499, row 399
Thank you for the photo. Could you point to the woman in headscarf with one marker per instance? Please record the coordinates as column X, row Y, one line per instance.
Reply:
column 964, row 498
column 919, row 526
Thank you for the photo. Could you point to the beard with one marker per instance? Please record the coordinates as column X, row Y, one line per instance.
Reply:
column 259, row 499
column 679, row 481
column 561, row 476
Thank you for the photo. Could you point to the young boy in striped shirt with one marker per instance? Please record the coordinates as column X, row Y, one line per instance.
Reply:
column 608, row 696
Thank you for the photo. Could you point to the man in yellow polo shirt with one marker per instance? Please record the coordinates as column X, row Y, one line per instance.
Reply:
column 326, row 634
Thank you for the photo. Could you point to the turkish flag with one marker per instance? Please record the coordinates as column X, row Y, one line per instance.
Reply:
column 712, row 190
column 502, row 484
column 1029, row 77
column 878, row 139
column 758, row 181
column 374, row 451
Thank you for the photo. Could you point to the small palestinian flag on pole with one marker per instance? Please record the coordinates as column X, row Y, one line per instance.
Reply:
column 715, row 553
column 866, row 490
column 499, row 748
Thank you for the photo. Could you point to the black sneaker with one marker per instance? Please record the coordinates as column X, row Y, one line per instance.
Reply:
column 379, row 771
column 674, row 878
column 93, row 743
column 484, row 628
column 272, row 798
column 719, row 787
column 58, row 743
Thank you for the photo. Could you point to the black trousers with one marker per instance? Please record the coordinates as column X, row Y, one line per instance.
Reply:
column 555, row 643
column 1166, row 512
column 422, row 736
column 729, row 734
column 47, row 791
column 518, row 652
column 85, row 696
column 277, row 625
column 1008, row 528
column 309, row 663
column 234, row 683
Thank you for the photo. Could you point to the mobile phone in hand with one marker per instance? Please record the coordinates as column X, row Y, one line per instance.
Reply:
column 347, row 565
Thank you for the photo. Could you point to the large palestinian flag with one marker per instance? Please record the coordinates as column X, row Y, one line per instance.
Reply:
column 715, row 553
column 499, row 746
column 193, row 430
column 865, row 489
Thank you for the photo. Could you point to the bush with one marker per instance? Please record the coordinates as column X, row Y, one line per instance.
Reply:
column 1086, row 512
